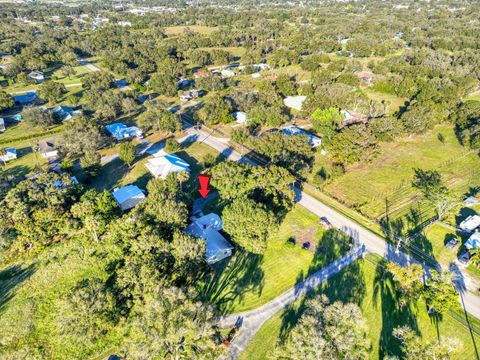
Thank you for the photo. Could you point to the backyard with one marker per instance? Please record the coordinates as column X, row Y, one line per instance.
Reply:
column 366, row 284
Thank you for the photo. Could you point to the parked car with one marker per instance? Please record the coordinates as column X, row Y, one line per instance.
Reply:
column 325, row 222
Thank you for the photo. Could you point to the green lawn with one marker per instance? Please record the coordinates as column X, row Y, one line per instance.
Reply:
column 364, row 283
column 433, row 242
column 245, row 282
column 178, row 30
column 393, row 102
column 368, row 187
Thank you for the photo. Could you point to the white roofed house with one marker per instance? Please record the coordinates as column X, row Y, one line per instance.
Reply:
column 8, row 154
column 128, row 196
column 163, row 165
column 36, row 75
column 240, row 117
column 208, row 228
column 470, row 223
column 2, row 125
column 47, row 150
column 295, row 130
column 294, row 102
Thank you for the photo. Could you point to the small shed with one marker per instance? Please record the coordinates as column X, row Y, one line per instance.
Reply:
column 294, row 102
column 470, row 223
column 47, row 150
column 10, row 154
column 2, row 125
column 240, row 117
column 473, row 242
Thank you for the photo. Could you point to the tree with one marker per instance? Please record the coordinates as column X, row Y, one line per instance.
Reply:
column 160, row 119
column 169, row 324
column 415, row 347
column 216, row 110
column 408, row 281
column 98, row 80
column 249, row 224
column 67, row 71
column 126, row 152
column 36, row 116
column 90, row 162
column 95, row 210
column 326, row 122
column 52, row 91
column 172, row 145
column 327, row 331
column 439, row 292
column 81, row 135
column 271, row 115
column 164, row 83
column 6, row 100
column 286, row 85
column 467, row 123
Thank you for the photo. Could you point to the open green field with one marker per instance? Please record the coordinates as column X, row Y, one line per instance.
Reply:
column 365, row 283
column 387, row 179
column 247, row 281
column 393, row 102
column 177, row 30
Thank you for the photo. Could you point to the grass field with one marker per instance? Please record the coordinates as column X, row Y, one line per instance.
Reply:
column 178, row 30
column 245, row 282
column 364, row 283
column 367, row 187
column 393, row 102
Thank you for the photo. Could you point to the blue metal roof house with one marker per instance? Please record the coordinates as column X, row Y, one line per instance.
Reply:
column 207, row 227
column 120, row 131
column 295, row 130
column 128, row 196
column 26, row 98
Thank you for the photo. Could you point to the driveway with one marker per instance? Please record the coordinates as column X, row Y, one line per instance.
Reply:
column 252, row 321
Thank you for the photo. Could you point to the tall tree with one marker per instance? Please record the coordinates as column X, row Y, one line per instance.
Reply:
column 126, row 152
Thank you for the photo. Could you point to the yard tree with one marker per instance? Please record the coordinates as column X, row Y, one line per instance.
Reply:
column 172, row 145
column 415, row 347
column 95, row 210
column 159, row 119
column 271, row 115
column 439, row 292
column 36, row 116
column 249, row 224
column 326, row 122
column 164, row 83
column 216, row 110
column 408, row 281
column 126, row 152
column 220, row 57
column 67, row 71
column 327, row 331
column 169, row 324
column 128, row 105
column 80, row 135
column 90, row 162
column 6, row 100
column 200, row 57
column 286, row 85
column 467, row 123
column 69, row 58
column 98, row 80
column 210, row 83
column 52, row 91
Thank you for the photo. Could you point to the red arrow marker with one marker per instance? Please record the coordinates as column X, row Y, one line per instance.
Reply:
column 204, row 181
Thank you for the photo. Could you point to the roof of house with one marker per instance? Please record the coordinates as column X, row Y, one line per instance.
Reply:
column 126, row 193
column 45, row 147
column 164, row 165
column 120, row 130
column 294, row 102
column 207, row 227
column 25, row 98
column 470, row 223
column 11, row 151
column 295, row 130
column 473, row 241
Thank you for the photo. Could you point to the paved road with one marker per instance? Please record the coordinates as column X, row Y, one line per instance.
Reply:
column 374, row 243
column 252, row 321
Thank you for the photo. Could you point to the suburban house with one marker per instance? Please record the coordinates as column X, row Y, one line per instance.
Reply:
column 128, row 196
column 163, row 165
column 294, row 102
column 240, row 117
column 350, row 117
column 473, row 241
column 47, row 150
column 37, row 76
column 470, row 223
column 365, row 76
column 208, row 228
column 121, row 131
column 192, row 94
column 26, row 98
column 64, row 112
column 10, row 154
column 227, row 73
column 201, row 73
column 470, row 201
column 295, row 130
column 2, row 125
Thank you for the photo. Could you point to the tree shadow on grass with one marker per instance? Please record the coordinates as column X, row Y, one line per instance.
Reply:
column 10, row 279
column 232, row 279
column 110, row 174
column 393, row 315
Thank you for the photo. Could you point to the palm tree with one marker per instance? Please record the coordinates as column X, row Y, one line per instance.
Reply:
column 182, row 176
